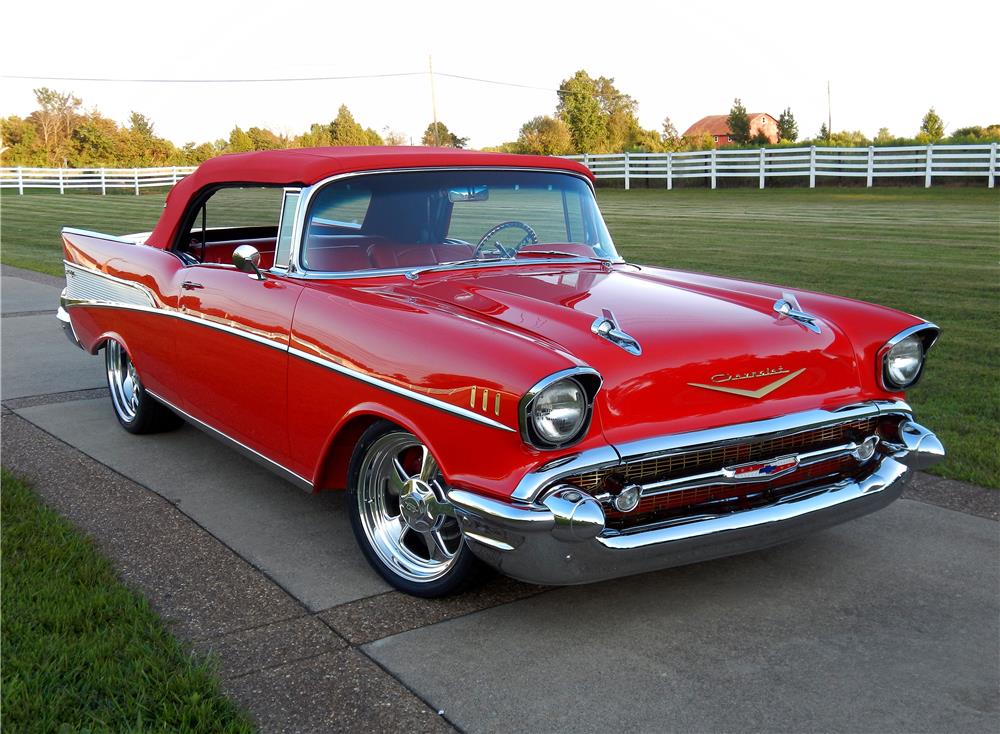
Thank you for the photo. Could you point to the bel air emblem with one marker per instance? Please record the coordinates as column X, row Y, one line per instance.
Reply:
column 762, row 469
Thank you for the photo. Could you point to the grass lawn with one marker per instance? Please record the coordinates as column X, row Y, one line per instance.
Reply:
column 80, row 651
column 933, row 253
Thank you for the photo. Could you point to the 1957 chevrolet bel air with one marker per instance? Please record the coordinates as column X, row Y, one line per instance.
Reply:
column 453, row 339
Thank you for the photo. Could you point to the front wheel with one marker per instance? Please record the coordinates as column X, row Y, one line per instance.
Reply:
column 401, row 517
column 136, row 409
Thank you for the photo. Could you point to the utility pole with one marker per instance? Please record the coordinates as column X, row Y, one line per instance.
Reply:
column 434, row 107
column 829, row 111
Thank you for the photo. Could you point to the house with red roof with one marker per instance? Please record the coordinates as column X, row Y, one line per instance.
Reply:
column 718, row 128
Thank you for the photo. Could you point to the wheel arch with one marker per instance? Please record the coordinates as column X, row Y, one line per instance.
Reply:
column 331, row 472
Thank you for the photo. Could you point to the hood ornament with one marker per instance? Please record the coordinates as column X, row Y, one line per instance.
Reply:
column 788, row 307
column 606, row 327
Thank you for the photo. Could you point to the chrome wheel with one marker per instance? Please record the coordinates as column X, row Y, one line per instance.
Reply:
column 403, row 511
column 122, row 381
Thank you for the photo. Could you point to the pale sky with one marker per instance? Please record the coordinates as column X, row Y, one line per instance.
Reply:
column 887, row 62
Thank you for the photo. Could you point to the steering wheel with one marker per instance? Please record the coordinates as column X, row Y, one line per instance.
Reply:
column 530, row 238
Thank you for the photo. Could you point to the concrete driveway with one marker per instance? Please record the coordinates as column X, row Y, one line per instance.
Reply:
column 889, row 623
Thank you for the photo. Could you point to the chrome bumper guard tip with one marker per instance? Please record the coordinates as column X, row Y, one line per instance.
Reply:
column 562, row 540
column 62, row 315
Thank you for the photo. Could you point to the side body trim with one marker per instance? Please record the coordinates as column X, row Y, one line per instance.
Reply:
column 97, row 299
column 250, row 453
column 398, row 390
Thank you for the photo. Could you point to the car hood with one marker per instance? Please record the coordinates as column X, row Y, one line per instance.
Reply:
column 710, row 356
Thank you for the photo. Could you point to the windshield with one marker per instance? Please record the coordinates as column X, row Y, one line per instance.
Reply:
column 420, row 219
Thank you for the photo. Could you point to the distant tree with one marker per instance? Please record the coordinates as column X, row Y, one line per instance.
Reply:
column 932, row 127
column 140, row 125
column 580, row 109
column 372, row 137
column 445, row 137
column 704, row 141
column 239, row 141
column 393, row 137
column 55, row 118
column 263, row 139
column 739, row 123
column 848, row 139
column 345, row 130
column 759, row 138
column 601, row 118
column 669, row 130
column 544, row 135
column 824, row 132
column 788, row 129
column 884, row 137
column 318, row 136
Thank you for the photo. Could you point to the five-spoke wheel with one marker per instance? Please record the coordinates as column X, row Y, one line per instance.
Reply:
column 401, row 516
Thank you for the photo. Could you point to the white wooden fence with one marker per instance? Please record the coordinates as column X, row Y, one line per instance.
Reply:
column 96, row 179
column 911, row 161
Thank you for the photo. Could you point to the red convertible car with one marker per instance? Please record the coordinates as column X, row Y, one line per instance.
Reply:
column 453, row 339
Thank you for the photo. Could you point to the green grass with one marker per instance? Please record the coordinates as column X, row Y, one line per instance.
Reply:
column 80, row 651
column 933, row 253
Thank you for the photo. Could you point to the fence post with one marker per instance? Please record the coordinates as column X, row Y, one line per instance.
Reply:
column 173, row 176
column 928, row 165
column 713, row 168
column 627, row 171
column 762, row 167
column 871, row 164
column 993, row 165
column 586, row 160
column 104, row 185
column 20, row 177
column 135, row 172
column 670, row 168
column 812, row 166
column 62, row 188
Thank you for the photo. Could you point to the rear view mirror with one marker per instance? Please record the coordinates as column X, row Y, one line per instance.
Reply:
column 468, row 193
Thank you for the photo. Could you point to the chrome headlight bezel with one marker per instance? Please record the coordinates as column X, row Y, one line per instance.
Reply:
column 925, row 335
column 588, row 380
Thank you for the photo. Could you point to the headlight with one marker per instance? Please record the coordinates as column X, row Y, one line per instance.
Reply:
column 556, row 412
column 903, row 362
column 903, row 356
column 559, row 411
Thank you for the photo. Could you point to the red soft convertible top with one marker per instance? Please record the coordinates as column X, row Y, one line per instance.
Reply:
column 304, row 166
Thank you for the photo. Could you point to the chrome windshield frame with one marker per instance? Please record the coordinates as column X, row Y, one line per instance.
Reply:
column 307, row 193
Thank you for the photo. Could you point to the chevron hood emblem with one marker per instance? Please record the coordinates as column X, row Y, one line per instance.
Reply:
column 755, row 394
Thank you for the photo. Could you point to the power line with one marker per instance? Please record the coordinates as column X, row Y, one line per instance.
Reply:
column 273, row 80
column 210, row 81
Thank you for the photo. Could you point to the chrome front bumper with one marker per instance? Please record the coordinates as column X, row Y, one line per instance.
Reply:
column 559, row 541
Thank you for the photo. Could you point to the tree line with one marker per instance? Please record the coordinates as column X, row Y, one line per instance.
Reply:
column 591, row 116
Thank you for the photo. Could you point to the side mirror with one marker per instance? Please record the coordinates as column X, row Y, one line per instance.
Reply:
column 246, row 258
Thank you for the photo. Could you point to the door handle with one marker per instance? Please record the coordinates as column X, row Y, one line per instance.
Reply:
column 190, row 285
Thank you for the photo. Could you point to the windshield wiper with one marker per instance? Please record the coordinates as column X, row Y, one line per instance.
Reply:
column 415, row 273
column 562, row 253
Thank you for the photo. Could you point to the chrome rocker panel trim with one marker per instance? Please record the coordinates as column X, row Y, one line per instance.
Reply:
column 543, row 543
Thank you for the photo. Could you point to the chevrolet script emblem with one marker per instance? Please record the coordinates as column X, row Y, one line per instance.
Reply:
column 720, row 380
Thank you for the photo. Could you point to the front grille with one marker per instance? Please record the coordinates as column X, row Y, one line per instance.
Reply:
column 680, row 464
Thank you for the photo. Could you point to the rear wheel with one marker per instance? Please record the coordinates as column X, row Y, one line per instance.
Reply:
column 401, row 517
column 136, row 409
